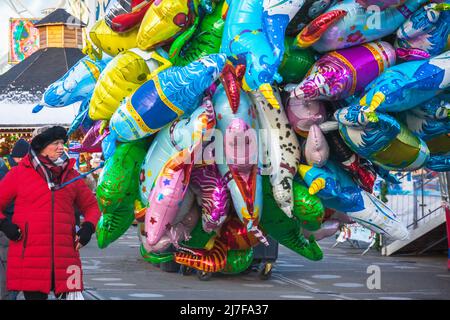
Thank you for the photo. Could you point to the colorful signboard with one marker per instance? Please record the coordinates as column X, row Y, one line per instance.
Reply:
column 23, row 39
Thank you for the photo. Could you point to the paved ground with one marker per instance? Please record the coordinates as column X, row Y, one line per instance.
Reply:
column 119, row 273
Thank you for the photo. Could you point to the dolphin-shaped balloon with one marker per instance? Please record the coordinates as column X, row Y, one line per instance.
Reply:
column 76, row 85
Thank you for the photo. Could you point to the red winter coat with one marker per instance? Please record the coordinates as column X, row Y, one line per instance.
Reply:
column 48, row 241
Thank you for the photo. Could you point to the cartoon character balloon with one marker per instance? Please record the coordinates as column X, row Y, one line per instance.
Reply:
column 427, row 29
column 386, row 142
column 407, row 85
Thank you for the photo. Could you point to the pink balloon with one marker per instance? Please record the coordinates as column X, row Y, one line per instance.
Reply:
column 303, row 114
column 167, row 195
column 180, row 232
column 209, row 186
column 316, row 148
column 92, row 141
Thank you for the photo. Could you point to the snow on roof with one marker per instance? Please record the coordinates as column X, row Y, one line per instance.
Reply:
column 20, row 115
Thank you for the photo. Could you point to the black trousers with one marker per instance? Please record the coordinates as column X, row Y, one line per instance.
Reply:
column 37, row 295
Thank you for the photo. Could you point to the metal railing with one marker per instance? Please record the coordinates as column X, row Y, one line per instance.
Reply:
column 420, row 198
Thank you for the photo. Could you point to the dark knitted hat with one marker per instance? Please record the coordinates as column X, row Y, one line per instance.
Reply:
column 20, row 149
column 43, row 136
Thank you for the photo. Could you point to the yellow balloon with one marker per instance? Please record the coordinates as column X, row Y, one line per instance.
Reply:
column 112, row 42
column 164, row 21
column 121, row 77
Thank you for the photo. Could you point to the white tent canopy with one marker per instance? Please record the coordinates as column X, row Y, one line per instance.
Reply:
column 20, row 115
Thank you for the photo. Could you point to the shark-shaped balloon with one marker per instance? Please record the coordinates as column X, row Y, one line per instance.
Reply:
column 168, row 95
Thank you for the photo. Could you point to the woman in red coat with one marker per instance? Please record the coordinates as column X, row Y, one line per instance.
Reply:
column 43, row 254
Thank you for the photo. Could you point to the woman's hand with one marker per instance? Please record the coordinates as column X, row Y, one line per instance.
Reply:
column 11, row 230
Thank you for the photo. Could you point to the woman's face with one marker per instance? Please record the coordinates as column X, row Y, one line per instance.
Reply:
column 54, row 150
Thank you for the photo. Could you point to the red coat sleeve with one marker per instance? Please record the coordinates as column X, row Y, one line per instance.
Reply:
column 8, row 190
column 87, row 203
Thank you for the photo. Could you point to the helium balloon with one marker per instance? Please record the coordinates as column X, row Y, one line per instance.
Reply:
column 240, row 169
column 360, row 169
column 280, row 148
column 183, row 135
column 338, row 191
column 124, row 15
column 165, row 97
column 92, row 141
column 430, row 119
column 245, row 42
column 308, row 209
column 341, row 74
column 310, row 10
column 295, row 63
column 123, row 75
column 407, row 85
column 171, row 183
column 212, row 192
column 76, row 85
column 206, row 40
column 361, row 25
column 112, row 42
column 427, row 29
column 117, row 190
column 381, row 4
column 387, row 142
column 164, row 21
column 286, row 230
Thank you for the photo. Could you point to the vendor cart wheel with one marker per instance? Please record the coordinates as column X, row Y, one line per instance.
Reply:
column 204, row 276
column 266, row 272
column 186, row 271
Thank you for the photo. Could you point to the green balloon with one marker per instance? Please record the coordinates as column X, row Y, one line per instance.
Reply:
column 155, row 258
column 118, row 189
column 308, row 209
column 285, row 230
column 238, row 261
column 296, row 62
column 207, row 40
